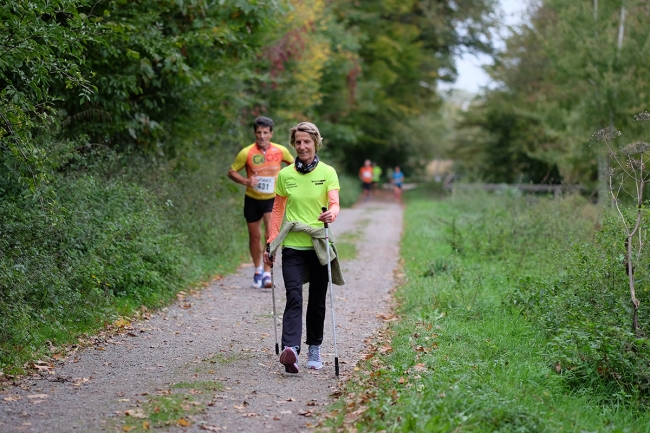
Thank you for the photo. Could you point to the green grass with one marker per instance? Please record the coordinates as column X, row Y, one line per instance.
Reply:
column 200, row 385
column 461, row 358
column 224, row 358
column 171, row 409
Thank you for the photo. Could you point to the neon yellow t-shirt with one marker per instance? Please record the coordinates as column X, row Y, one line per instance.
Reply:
column 376, row 173
column 306, row 195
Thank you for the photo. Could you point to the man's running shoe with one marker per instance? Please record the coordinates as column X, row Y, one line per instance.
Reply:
column 289, row 358
column 257, row 280
column 266, row 282
column 314, row 360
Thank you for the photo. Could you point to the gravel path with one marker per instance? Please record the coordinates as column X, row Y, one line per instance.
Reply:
column 222, row 334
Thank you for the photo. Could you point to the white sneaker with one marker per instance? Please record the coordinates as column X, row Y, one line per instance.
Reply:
column 257, row 280
column 314, row 360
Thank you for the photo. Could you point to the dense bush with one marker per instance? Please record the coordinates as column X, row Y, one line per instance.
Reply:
column 67, row 266
column 586, row 313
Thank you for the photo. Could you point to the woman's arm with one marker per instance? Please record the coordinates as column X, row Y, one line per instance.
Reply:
column 279, row 205
column 333, row 207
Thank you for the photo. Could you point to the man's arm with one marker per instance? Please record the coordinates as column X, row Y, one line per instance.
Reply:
column 252, row 181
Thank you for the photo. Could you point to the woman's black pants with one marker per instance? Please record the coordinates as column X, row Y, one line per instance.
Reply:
column 294, row 265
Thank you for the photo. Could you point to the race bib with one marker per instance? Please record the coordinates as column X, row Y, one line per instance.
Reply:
column 265, row 185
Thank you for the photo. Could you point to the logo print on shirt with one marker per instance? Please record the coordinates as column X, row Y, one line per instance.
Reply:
column 258, row 159
column 318, row 182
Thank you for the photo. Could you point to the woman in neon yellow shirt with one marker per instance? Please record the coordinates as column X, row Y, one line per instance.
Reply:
column 302, row 190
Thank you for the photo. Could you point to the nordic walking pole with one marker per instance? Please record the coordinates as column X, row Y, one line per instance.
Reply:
column 329, row 279
column 275, row 321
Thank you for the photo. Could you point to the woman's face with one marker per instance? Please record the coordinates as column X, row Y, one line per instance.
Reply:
column 305, row 147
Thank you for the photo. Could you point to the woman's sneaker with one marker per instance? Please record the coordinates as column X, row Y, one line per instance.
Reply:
column 257, row 280
column 313, row 358
column 289, row 358
column 266, row 282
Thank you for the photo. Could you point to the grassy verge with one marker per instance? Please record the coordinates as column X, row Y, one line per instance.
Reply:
column 462, row 357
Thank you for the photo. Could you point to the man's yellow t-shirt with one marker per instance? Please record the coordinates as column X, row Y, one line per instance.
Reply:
column 264, row 164
column 306, row 196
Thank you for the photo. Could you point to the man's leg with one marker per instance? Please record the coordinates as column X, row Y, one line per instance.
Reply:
column 255, row 242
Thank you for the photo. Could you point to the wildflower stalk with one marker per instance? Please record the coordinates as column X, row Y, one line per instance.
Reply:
column 630, row 162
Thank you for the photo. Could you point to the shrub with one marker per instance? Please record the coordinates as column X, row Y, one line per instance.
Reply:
column 67, row 266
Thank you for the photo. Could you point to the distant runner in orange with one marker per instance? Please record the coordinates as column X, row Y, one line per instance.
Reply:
column 366, row 175
column 262, row 161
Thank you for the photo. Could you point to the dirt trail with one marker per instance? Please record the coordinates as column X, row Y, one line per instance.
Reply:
column 223, row 334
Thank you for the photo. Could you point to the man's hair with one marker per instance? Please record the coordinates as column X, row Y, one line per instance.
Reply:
column 263, row 121
column 309, row 128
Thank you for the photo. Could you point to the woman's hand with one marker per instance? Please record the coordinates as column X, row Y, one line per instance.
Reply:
column 268, row 260
column 326, row 217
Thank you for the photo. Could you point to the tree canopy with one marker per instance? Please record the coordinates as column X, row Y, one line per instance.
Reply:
column 574, row 68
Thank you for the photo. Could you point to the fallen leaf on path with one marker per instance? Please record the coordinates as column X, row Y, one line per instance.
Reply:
column 12, row 398
column 401, row 380
column 122, row 323
column 285, row 412
column 80, row 381
column 146, row 425
column 184, row 423
column 209, row 427
column 123, row 399
column 39, row 396
column 127, row 428
column 251, row 414
column 306, row 412
column 385, row 349
column 135, row 413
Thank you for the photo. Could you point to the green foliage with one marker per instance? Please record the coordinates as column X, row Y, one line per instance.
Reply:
column 65, row 268
column 366, row 72
column 350, row 190
column 461, row 357
column 586, row 313
column 153, row 56
column 41, row 45
column 574, row 68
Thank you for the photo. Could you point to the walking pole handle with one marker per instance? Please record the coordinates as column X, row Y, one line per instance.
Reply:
column 268, row 250
column 324, row 210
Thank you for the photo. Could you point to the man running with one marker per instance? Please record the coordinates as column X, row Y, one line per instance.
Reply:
column 262, row 160
column 365, row 174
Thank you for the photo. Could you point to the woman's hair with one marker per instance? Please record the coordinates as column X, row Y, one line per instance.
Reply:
column 309, row 128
